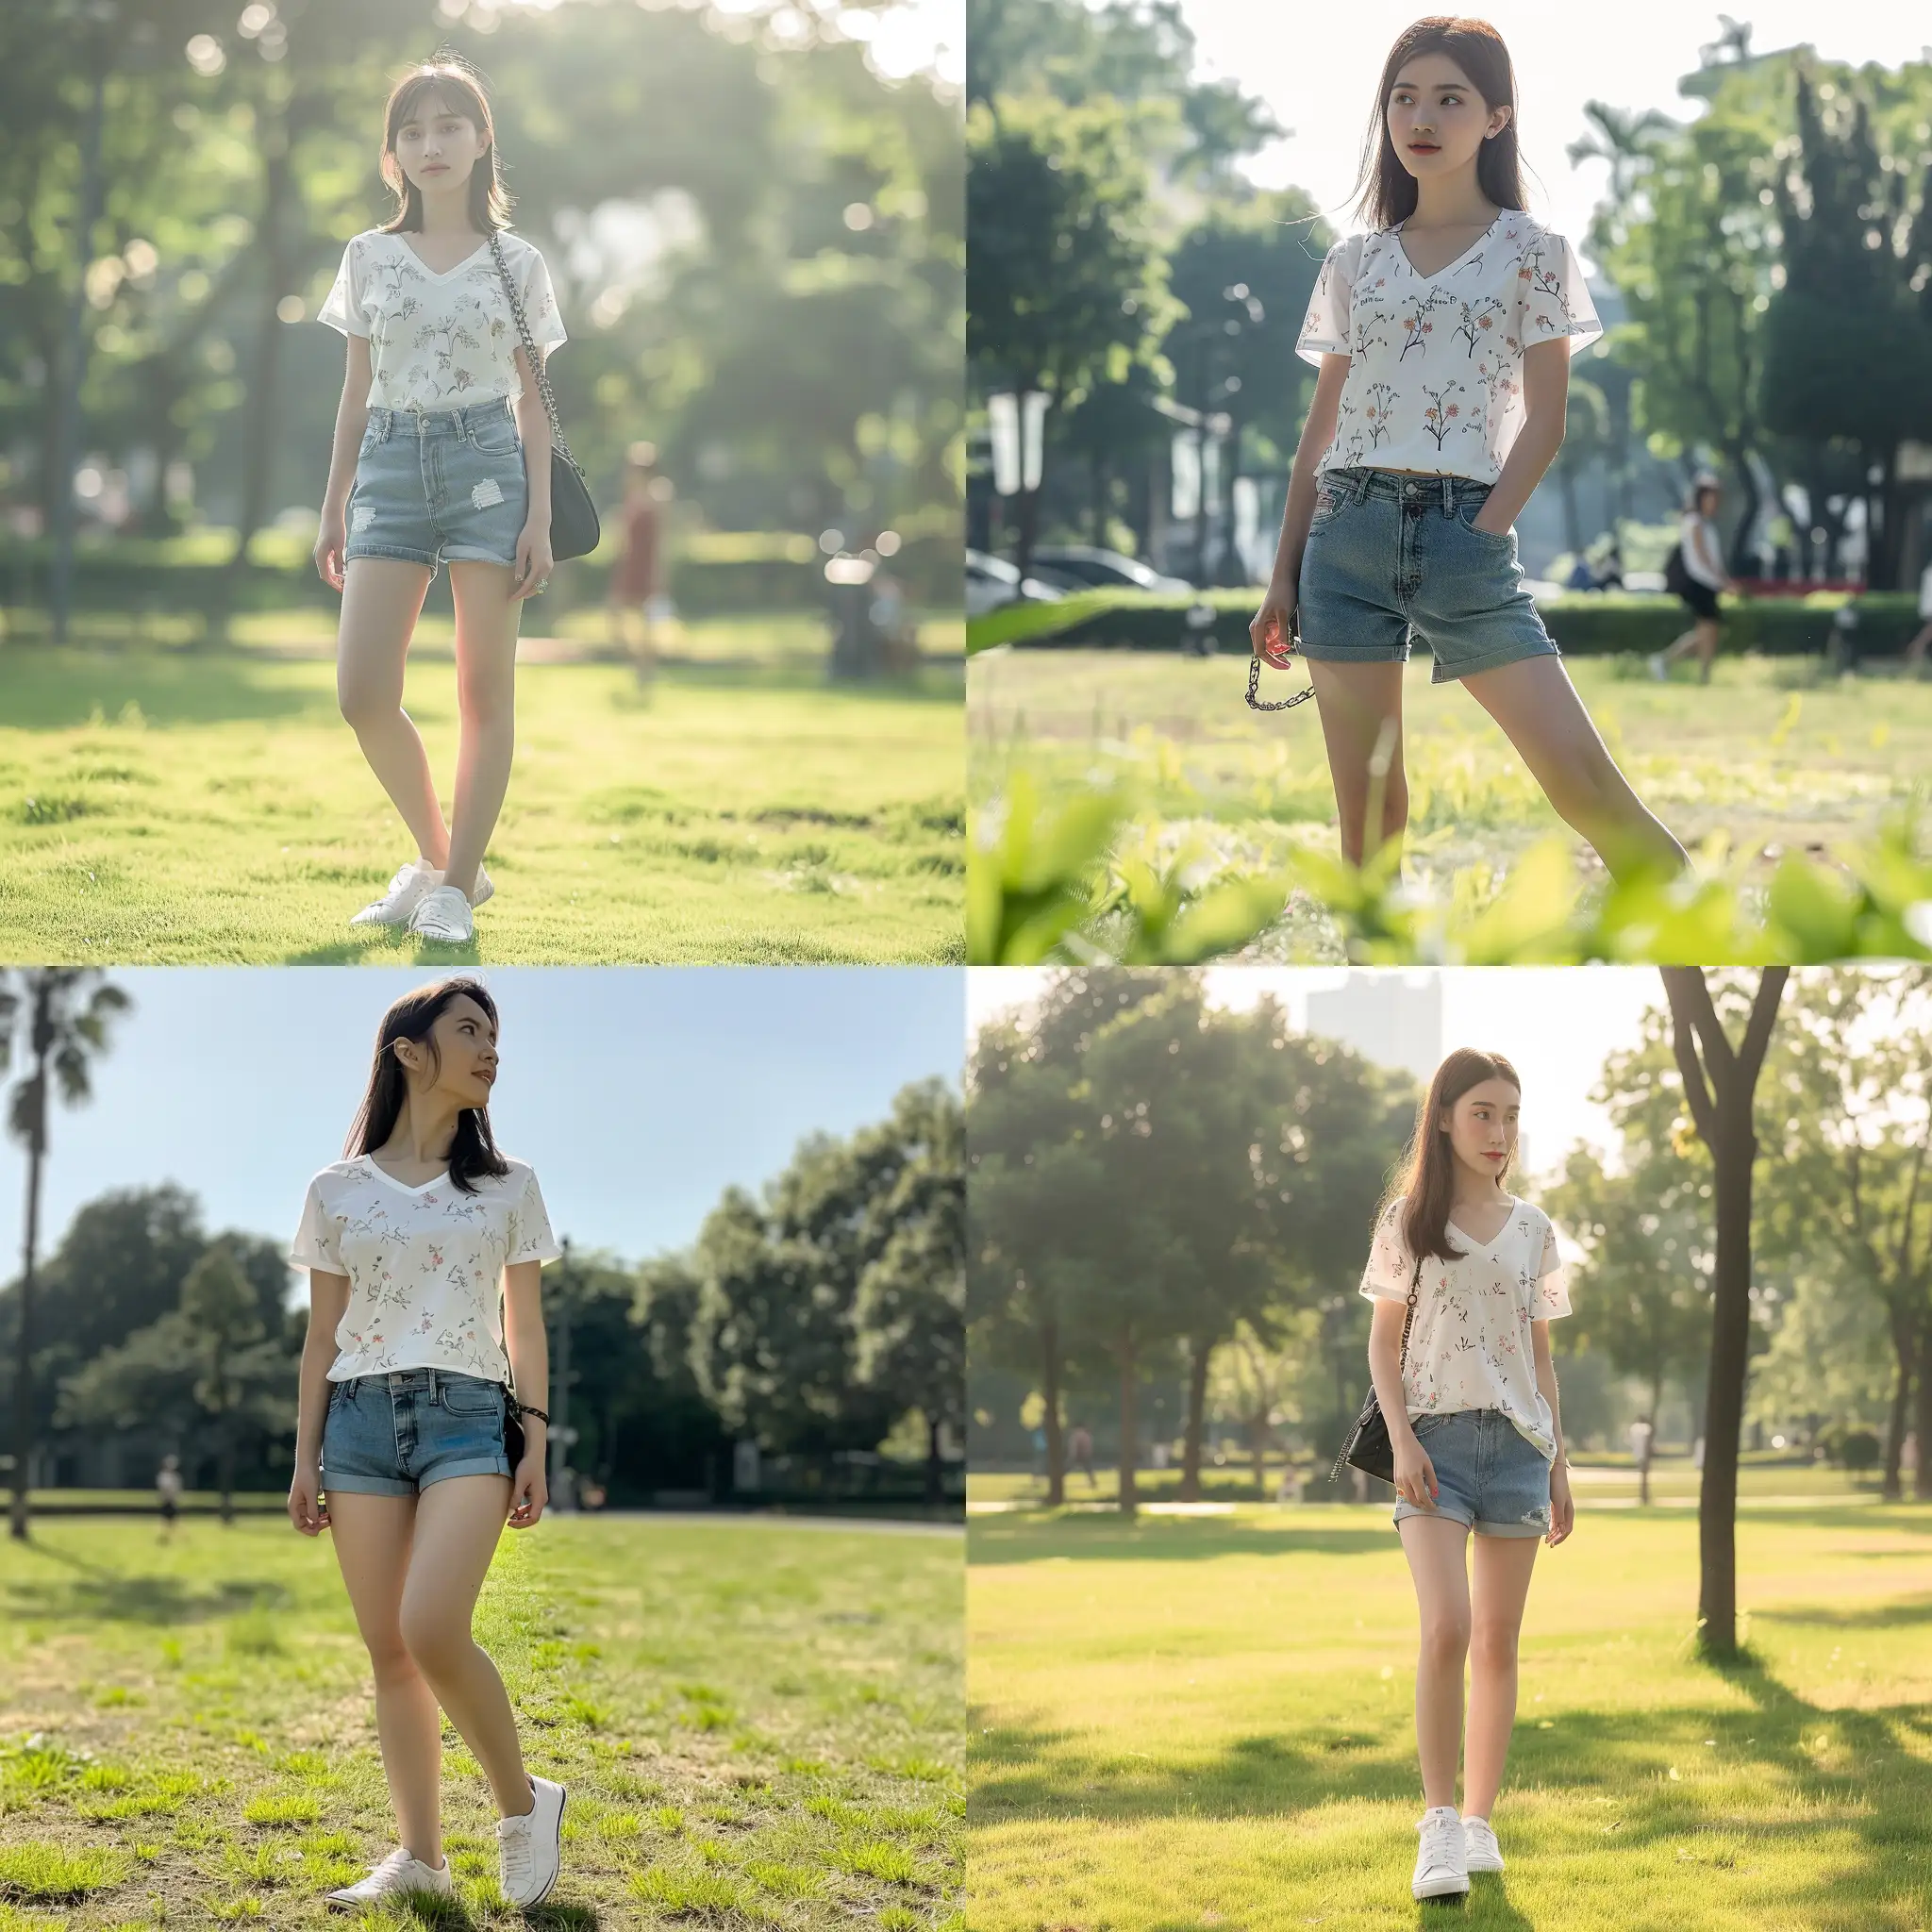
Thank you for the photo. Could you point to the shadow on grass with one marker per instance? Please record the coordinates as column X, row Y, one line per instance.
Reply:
column 47, row 688
column 102, row 1596
column 451, row 1915
column 1045, row 1536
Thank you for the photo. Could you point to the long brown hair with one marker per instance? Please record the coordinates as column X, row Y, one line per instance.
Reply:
column 474, row 1150
column 1386, row 191
column 1427, row 1184
column 461, row 87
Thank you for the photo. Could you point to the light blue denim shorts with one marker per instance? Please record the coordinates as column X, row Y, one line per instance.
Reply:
column 432, row 484
column 1489, row 1476
column 395, row 1434
column 1391, row 557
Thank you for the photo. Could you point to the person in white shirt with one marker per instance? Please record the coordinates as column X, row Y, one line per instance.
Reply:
column 1465, row 1280
column 423, row 1246
column 1444, row 341
column 1922, row 640
column 1697, row 575
column 442, row 452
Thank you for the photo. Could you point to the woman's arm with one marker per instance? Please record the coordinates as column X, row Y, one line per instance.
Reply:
column 352, row 419
column 1562, row 1507
column 328, row 1296
column 1415, row 1474
column 1546, row 410
column 1708, row 567
column 529, row 1368
column 1269, row 632
column 534, row 559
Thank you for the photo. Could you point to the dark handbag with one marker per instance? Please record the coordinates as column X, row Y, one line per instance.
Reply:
column 1677, row 578
column 573, row 525
column 1367, row 1447
column 512, row 1431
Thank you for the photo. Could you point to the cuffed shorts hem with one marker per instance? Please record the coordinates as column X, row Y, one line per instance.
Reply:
column 1520, row 652
column 452, row 555
column 365, row 1486
column 482, row 1465
column 1354, row 653
column 396, row 552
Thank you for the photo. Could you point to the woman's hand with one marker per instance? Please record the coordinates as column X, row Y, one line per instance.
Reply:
column 330, row 541
column 1271, row 633
column 307, row 1511
column 534, row 564
column 1415, row 1474
column 1562, row 1506
column 528, row 1491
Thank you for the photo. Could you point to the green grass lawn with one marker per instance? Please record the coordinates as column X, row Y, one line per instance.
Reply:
column 1190, row 1723
column 759, row 1724
column 1776, row 755
column 174, row 808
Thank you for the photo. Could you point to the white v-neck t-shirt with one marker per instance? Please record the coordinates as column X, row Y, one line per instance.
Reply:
column 1470, row 1346
column 425, row 1264
column 1435, row 374
column 439, row 342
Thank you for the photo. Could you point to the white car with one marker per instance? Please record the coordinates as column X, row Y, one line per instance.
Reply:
column 992, row 581
column 1088, row 567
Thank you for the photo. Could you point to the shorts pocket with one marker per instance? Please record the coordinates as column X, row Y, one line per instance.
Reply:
column 468, row 1395
column 495, row 436
column 1328, row 502
column 1467, row 515
column 1426, row 1424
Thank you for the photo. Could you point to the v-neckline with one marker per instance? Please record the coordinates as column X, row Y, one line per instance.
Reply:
column 383, row 1173
column 1483, row 1247
column 448, row 272
column 1448, row 267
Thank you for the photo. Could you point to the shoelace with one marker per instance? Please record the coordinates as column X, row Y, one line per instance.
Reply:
column 440, row 912
column 1438, row 1848
column 515, row 1843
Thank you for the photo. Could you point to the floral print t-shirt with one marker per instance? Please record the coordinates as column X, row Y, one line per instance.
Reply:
column 425, row 1264
column 439, row 342
column 1470, row 1345
column 1434, row 374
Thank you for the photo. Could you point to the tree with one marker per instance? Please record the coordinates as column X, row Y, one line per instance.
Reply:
column 1065, row 280
column 1254, row 1379
column 1719, row 1083
column 64, row 1015
column 1646, row 1231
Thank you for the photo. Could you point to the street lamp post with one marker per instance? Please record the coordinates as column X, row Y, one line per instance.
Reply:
column 562, row 1490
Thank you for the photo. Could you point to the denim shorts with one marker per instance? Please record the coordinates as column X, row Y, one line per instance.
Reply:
column 1390, row 557
column 1489, row 1476
column 440, row 483
column 395, row 1434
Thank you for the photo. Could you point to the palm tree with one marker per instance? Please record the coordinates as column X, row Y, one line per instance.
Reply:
column 1620, row 137
column 67, row 1016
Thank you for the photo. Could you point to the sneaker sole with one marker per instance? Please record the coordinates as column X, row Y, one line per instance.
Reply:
column 1450, row 1888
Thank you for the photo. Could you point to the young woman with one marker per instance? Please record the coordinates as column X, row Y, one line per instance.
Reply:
column 1702, row 577
column 424, row 1248
column 1443, row 340
column 1471, row 1402
column 636, row 578
column 452, row 461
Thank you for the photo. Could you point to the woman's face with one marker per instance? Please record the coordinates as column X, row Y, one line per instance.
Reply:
column 463, row 1065
column 438, row 145
column 1482, row 1128
column 1437, row 120
column 1708, row 501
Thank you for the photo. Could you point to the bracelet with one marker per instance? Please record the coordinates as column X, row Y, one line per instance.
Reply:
column 530, row 1409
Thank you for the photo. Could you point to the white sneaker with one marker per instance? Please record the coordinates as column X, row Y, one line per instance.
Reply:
column 443, row 914
column 397, row 1873
column 1441, row 1870
column 530, row 1848
column 1481, row 1851
column 405, row 891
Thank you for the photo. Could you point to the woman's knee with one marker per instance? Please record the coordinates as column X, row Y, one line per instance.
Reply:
column 390, row 1657
column 435, row 1639
column 366, row 702
column 1492, row 1645
column 1444, row 1639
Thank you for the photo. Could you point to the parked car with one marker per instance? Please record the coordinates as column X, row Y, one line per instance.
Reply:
column 1093, row 568
column 992, row 581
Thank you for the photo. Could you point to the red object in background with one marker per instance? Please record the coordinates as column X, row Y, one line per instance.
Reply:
column 634, row 576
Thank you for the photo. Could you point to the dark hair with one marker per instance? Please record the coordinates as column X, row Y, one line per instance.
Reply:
column 1428, row 1185
column 1384, row 190
column 474, row 1150
column 461, row 87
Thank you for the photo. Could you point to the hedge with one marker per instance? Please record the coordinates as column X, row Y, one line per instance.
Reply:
column 1584, row 624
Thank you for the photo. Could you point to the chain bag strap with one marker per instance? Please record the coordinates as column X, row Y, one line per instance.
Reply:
column 573, row 526
column 1287, row 704
column 1367, row 1447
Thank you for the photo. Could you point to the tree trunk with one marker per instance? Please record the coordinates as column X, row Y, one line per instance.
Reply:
column 24, row 1359
column 1257, row 1448
column 1026, row 523
column 1573, row 513
column 1198, row 1352
column 1050, row 1393
column 1921, row 1421
column 935, row 1467
column 1657, row 1403
column 1904, row 1347
column 1130, row 1424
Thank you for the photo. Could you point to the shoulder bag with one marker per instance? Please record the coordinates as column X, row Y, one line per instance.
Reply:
column 1367, row 1447
column 573, row 526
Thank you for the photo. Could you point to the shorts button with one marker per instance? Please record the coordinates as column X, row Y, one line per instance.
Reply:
column 1408, row 489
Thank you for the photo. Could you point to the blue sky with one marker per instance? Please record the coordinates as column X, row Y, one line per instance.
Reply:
column 639, row 1094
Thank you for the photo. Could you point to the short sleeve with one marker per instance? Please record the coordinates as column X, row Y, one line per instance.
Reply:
column 1552, row 1281
column 1325, row 329
column 1390, row 1273
column 341, row 309
column 1556, row 298
column 314, row 1245
column 539, row 302
column 530, row 1239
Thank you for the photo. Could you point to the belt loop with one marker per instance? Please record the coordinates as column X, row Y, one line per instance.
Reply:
column 1448, row 497
column 1362, row 479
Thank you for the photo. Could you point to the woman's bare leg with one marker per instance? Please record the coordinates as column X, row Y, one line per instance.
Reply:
column 1433, row 1545
column 1708, row 634
column 372, row 1538
column 486, row 619
column 1537, row 706
column 382, row 597
column 457, row 1525
column 1502, row 1566
column 1361, row 726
